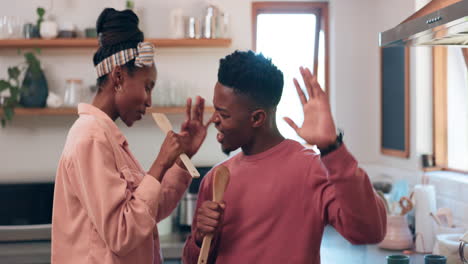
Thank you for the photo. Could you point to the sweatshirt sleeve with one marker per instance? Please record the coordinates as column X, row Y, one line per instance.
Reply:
column 122, row 218
column 173, row 186
column 350, row 203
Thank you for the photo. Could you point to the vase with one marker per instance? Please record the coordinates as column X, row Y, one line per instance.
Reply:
column 35, row 89
column 398, row 236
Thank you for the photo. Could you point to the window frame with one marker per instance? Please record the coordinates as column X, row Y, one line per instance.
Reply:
column 440, row 104
column 320, row 9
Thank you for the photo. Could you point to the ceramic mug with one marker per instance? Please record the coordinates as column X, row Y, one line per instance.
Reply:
column 30, row 31
column 49, row 29
column 398, row 259
column 435, row 259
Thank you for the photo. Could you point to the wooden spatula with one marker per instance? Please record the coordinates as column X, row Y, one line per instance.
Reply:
column 165, row 125
column 220, row 182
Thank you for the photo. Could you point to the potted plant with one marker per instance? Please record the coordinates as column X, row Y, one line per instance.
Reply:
column 12, row 85
column 18, row 91
column 130, row 4
column 40, row 12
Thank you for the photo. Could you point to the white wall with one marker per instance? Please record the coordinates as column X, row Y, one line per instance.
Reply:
column 32, row 146
column 420, row 92
column 356, row 85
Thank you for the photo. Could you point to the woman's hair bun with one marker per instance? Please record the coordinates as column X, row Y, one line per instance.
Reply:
column 115, row 27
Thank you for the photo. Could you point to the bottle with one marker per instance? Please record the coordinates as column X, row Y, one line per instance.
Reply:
column 208, row 24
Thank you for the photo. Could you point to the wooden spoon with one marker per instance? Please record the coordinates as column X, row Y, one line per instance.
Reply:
column 446, row 215
column 165, row 125
column 220, row 182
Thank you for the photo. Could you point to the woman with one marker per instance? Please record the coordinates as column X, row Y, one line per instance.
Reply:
column 105, row 206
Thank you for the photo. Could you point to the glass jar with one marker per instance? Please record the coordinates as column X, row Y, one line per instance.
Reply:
column 10, row 27
column 72, row 92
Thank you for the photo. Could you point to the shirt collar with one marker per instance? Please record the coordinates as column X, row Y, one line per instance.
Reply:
column 87, row 109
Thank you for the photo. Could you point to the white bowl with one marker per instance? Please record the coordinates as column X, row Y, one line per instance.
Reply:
column 448, row 246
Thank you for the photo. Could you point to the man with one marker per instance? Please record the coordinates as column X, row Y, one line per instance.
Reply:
column 281, row 195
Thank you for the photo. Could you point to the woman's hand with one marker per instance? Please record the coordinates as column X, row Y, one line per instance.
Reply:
column 170, row 150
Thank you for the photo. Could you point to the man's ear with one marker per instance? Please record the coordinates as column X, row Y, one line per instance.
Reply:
column 258, row 118
column 117, row 76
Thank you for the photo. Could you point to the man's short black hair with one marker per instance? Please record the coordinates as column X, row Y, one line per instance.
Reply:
column 253, row 75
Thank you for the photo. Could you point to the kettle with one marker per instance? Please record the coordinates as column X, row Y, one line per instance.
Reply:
column 463, row 243
column 186, row 210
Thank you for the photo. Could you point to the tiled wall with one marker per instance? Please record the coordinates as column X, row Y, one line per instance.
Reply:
column 452, row 192
column 451, row 187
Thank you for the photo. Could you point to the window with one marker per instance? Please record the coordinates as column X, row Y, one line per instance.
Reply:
column 451, row 108
column 293, row 34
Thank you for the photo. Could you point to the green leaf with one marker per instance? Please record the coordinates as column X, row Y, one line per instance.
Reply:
column 40, row 11
column 31, row 59
column 14, row 94
column 3, row 122
column 130, row 4
column 33, row 63
column 8, row 113
column 4, row 85
column 13, row 72
column 29, row 56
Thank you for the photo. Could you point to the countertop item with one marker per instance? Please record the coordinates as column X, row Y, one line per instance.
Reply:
column 448, row 245
column 398, row 259
column 398, row 235
column 384, row 186
column 463, row 243
column 425, row 203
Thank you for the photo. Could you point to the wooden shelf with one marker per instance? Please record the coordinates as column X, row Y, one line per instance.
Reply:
column 428, row 169
column 92, row 43
column 72, row 111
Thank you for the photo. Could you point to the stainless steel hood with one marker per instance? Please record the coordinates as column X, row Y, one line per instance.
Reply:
column 441, row 22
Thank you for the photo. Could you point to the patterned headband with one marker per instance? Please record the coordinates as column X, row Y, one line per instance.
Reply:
column 143, row 55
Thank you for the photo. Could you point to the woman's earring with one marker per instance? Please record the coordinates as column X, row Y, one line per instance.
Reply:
column 118, row 88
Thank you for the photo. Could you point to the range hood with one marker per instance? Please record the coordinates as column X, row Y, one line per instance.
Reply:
column 441, row 22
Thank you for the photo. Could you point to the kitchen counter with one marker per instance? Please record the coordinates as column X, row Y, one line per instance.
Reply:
column 38, row 252
column 335, row 249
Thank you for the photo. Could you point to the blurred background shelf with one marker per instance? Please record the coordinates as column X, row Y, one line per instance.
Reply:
column 93, row 43
column 72, row 111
